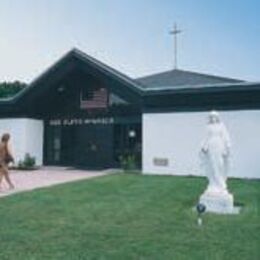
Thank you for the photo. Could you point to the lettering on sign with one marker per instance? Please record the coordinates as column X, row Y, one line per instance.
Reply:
column 161, row 162
column 55, row 122
column 81, row 121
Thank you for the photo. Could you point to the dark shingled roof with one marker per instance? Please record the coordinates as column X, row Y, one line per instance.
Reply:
column 179, row 78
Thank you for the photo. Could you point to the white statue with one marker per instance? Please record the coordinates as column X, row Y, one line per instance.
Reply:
column 215, row 153
column 215, row 158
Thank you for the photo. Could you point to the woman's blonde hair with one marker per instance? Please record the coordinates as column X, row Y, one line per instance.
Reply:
column 5, row 137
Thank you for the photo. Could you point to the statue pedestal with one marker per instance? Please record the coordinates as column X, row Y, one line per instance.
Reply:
column 220, row 202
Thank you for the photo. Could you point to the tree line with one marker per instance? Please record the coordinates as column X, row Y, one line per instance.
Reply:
column 9, row 89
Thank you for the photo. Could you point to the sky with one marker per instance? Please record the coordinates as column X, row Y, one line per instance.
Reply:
column 219, row 37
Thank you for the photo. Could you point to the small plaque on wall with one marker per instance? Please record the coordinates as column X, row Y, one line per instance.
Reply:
column 161, row 162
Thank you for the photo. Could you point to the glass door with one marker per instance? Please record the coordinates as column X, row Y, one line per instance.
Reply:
column 53, row 145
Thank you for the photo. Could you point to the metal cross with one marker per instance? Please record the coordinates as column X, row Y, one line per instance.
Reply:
column 175, row 32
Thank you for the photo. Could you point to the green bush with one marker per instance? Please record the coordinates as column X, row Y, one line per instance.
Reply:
column 28, row 162
column 128, row 162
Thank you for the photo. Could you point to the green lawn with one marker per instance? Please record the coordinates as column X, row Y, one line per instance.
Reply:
column 128, row 217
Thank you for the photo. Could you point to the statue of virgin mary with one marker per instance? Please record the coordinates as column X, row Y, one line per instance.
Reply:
column 215, row 154
column 215, row 158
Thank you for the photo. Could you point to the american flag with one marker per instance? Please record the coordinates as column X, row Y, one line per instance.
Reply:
column 98, row 99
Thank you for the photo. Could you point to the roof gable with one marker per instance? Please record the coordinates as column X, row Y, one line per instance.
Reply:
column 65, row 64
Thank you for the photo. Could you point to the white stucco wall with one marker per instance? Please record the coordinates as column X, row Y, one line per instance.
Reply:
column 26, row 137
column 178, row 136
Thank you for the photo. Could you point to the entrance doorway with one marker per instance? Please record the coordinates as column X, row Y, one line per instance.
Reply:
column 88, row 146
column 92, row 146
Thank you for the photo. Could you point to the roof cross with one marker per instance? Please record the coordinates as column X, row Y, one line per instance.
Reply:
column 175, row 33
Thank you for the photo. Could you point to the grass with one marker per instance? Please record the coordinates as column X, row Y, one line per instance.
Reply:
column 128, row 217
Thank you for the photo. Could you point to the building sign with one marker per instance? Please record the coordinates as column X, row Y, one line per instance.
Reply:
column 81, row 121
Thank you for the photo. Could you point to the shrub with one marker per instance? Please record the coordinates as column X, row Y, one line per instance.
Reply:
column 28, row 162
column 128, row 162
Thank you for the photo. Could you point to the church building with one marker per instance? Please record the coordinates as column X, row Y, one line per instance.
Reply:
column 83, row 113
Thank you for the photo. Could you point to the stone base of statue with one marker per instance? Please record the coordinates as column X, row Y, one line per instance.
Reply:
column 220, row 202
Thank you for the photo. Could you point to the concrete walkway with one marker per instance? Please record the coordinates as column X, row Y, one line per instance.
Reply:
column 45, row 177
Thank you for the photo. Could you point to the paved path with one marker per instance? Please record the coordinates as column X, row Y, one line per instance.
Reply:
column 44, row 177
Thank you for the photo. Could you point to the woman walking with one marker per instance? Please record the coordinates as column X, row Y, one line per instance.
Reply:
column 5, row 158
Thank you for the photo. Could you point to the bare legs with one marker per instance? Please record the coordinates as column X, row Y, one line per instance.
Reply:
column 5, row 173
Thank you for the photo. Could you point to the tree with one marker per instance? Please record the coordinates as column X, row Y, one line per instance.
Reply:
column 9, row 89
